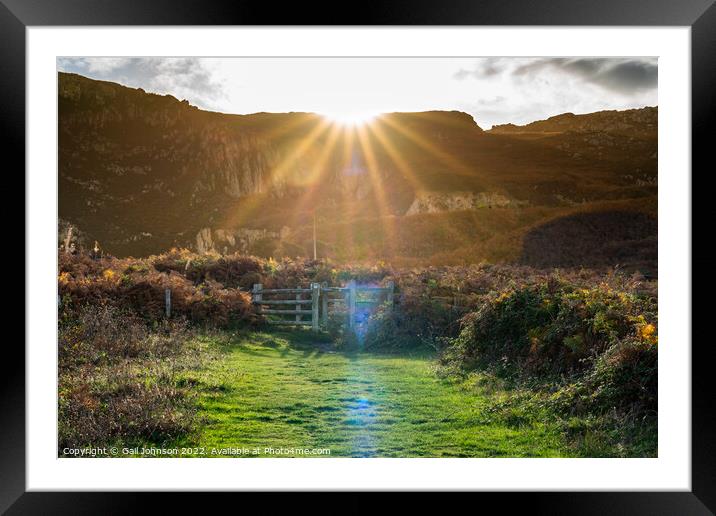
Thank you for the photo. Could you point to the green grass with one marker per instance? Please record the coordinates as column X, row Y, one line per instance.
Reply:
column 288, row 390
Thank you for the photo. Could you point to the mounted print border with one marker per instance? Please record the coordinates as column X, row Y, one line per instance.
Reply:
column 17, row 15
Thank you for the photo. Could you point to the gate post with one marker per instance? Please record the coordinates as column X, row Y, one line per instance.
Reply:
column 257, row 293
column 168, row 302
column 391, row 289
column 324, row 304
column 352, row 303
column 315, row 293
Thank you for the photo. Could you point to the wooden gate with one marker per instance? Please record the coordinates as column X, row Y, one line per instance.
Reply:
column 312, row 306
column 295, row 302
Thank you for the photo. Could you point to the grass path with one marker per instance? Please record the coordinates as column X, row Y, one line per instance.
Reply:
column 280, row 390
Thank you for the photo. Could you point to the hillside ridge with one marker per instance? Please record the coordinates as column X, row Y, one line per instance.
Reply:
column 142, row 172
column 632, row 121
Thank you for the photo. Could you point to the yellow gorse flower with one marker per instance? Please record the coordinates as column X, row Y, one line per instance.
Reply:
column 648, row 333
column 503, row 296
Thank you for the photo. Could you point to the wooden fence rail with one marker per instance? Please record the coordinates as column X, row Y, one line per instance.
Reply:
column 322, row 305
column 264, row 298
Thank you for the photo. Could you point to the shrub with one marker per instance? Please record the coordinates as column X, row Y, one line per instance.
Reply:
column 415, row 323
column 591, row 352
column 120, row 405
column 624, row 378
column 550, row 328
column 140, row 288
column 118, row 378
column 343, row 337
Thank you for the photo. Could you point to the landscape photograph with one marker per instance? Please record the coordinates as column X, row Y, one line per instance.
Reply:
column 357, row 257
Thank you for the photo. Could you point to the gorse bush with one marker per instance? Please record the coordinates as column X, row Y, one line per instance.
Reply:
column 591, row 352
column 551, row 328
column 434, row 304
column 623, row 378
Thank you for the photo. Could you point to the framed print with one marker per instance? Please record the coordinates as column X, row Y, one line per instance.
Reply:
column 419, row 249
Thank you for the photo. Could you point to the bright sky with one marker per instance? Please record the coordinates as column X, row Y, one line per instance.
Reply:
column 492, row 90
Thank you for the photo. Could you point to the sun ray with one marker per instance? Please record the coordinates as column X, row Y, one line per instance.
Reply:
column 395, row 156
column 289, row 122
column 249, row 205
column 327, row 148
column 381, row 200
column 306, row 143
column 346, row 227
column 319, row 170
column 455, row 164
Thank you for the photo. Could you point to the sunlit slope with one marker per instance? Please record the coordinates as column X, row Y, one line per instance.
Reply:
column 142, row 172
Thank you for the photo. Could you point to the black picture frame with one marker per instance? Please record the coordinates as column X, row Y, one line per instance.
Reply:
column 700, row 15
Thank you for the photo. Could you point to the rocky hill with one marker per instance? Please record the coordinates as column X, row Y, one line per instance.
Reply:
column 635, row 123
column 141, row 172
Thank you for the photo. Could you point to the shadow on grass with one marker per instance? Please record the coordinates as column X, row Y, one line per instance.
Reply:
column 268, row 342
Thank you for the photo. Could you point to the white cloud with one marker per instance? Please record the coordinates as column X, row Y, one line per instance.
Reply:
column 94, row 65
column 185, row 78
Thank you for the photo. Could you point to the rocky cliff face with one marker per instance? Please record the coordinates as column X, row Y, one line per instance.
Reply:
column 440, row 202
column 242, row 240
column 111, row 135
column 635, row 123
